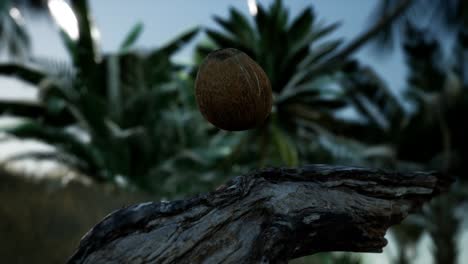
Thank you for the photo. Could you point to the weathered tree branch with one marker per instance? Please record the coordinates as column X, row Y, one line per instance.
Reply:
column 268, row 216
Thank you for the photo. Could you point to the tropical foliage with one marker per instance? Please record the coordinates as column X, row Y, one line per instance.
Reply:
column 432, row 135
column 438, row 95
column 125, row 117
column 441, row 18
column 309, row 90
column 131, row 116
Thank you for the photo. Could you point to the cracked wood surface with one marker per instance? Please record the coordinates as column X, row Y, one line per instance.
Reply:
column 267, row 216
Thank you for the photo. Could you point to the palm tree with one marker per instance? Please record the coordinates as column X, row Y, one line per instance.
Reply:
column 135, row 111
column 440, row 17
column 302, row 68
column 432, row 135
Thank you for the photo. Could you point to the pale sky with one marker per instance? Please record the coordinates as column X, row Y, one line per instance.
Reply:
column 165, row 19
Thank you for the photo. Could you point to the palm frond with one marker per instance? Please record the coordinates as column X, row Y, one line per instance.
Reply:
column 301, row 25
column 223, row 41
column 285, row 146
column 438, row 16
column 65, row 142
column 56, row 68
column 238, row 26
column 25, row 73
column 131, row 37
column 24, row 109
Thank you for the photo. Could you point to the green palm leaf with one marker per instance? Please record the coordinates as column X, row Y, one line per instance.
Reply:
column 131, row 37
column 223, row 41
column 25, row 73
column 86, row 51
column 301, row 25
column 288, row 53
column 17, row 108
column 238, row 26
column 285, row 146
column 65, row 142
column 318, row 53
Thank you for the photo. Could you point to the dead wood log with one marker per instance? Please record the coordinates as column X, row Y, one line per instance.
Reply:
column 267, row 216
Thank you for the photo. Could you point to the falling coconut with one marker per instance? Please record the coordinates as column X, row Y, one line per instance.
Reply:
column 232, row 90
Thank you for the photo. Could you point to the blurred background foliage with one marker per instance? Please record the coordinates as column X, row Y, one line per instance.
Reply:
column 129, row 118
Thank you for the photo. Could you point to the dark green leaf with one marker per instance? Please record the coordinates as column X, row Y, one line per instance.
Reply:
column 24, row 109
column 131, row 37
column 301, row 25
column 286, row 147
column 223, row 41
column 261, row 19
column 278, row 14
column 24, row 73
column 92, row 111
column 317, row 53
column 87, row 52
column 203, row 51
column 243, row 24
column 308, row 39
column 238, row 27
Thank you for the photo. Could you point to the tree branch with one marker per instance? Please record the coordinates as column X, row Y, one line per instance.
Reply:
column 267, row 216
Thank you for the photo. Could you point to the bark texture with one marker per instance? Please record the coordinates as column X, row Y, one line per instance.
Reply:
column 267, row 216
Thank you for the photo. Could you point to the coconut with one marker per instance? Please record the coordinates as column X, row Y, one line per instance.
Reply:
column 232, row 91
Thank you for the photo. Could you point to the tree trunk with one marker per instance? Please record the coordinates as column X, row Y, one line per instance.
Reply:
column 267, row 216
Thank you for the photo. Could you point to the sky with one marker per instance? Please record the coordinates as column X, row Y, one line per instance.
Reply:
column 163, row 20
